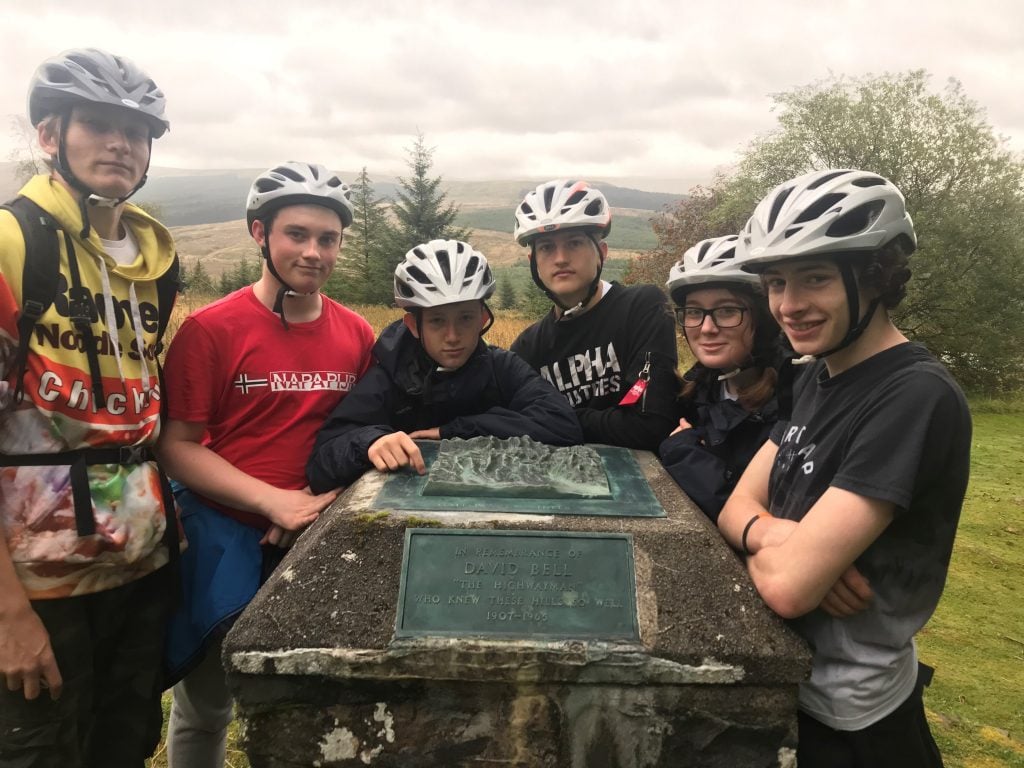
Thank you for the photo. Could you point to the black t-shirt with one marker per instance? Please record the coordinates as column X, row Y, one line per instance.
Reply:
column 895, row 427
column 595, row 358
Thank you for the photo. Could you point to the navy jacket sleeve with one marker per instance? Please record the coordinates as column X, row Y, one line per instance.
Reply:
column 643, row 425
column 340, row 452
column 702, row 475
column 530, row 407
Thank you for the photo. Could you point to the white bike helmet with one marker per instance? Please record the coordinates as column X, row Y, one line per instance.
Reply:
column 442, row 272
column 560, row 205
column 826, row 212
column 295, row 183
column 709, row 262
column 89, row 74
column 842, row 215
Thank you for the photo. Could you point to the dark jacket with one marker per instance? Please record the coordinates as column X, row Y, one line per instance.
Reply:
column 707, row 460
column 493, row 394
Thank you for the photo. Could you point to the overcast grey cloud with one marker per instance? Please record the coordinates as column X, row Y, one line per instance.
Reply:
column 628, row 91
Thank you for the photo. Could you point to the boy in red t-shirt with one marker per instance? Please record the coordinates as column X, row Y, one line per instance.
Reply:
column 250, row 378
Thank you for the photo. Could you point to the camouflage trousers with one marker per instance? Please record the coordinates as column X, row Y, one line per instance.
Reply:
column 108, row 647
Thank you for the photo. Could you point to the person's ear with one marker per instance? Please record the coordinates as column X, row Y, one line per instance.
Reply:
column 410, row 322
column 602, row 247
column 48, row 134
column 486, row 318
column 259, row 233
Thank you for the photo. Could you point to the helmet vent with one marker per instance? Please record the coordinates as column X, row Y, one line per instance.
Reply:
column 868, row 181
column 705, row 247
column 549, row 194
column 777, row 207
column 288, row 172
column 856, row 220
column 575, row 197
column 826, row 178
column 89, row 66
column 791, row 231
column 58, row 75
column 472, row 265
column 445, row 264
column 594, row 208
column 334, row 181
column 267, row 185
column 403, row 289
column 417, row 274
column 819, row 207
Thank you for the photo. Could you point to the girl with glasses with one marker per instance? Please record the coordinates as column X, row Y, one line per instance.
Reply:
column 727, row 405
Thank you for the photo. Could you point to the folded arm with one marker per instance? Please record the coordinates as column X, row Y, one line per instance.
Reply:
column 800, row 566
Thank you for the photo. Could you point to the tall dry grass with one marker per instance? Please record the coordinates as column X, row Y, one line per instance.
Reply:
column 508, row 324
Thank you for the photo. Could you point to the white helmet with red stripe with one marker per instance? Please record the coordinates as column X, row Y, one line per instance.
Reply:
column 560, row 205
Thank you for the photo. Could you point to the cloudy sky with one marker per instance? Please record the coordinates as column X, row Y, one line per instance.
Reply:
column 644, row 90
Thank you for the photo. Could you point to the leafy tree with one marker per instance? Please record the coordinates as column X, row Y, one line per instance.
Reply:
column 964, row 189
column 507, row 298
column 365, row 268
column 692, row 219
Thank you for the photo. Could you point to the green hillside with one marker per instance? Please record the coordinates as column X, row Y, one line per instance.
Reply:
column 630, row 233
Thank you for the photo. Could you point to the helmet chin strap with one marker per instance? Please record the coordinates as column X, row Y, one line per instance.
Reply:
column 567, row 310
column 88, row 196
column 285, row 289
column 857, row 324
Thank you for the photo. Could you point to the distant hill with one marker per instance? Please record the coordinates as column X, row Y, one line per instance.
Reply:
column 194, row 199
column 222, row 245
column 631, row 228
column 207, row 197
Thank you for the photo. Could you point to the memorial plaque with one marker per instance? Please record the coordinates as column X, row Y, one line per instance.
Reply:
column 517, row 584
column 630, row 495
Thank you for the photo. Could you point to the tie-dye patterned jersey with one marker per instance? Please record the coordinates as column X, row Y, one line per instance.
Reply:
column 58, row 412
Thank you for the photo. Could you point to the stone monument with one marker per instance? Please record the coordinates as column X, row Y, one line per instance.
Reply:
column 596, row 625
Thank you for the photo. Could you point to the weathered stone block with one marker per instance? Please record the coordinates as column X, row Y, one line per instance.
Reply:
column 320, row 679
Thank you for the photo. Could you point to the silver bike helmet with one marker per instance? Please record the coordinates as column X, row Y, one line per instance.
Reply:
column 709, row 262
column 839, row 214
column 826, row 212
column 89, row 74
column 442, row 272
column 295, row 183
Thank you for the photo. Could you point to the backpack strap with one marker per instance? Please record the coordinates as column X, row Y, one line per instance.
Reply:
column 168, row 286
column 39, row 277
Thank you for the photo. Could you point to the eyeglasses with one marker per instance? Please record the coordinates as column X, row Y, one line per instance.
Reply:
column 722, row 317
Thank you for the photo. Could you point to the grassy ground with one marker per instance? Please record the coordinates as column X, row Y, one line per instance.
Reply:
column 976, row 638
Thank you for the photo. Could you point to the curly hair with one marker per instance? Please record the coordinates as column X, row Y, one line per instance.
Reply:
column 886, row 271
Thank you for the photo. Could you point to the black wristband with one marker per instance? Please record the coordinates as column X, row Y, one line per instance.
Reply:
column 746, row 530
